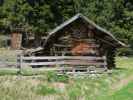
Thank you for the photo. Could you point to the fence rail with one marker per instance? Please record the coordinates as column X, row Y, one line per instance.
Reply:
column 63, row 57
column 62, row 60
column 82, row 63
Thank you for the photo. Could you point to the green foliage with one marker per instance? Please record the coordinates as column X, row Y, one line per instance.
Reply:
column 74, row 93
column 63, row 78
column 116, row 16
column 126, row 93
column 40, row 16
column 46, row 90
column 125, row 51
column 54, row 77
column 51, row 76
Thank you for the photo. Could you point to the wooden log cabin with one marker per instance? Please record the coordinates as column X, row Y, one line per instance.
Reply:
column 79, row 36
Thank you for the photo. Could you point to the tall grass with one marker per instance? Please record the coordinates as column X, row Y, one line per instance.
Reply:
column 46, row 90
column 33, row 85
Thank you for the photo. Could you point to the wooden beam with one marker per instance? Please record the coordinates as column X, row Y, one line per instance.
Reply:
column 63, row 57
column 106, row 41
column 63, row 62
column 62, row 45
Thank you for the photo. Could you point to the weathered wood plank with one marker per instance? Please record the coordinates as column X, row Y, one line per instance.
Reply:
column 44, row 63
column 79, row 63
column 62, row 63
column 63, row 57
column 63, row 60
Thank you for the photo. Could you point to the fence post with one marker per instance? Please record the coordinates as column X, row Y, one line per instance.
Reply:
column 19, row 62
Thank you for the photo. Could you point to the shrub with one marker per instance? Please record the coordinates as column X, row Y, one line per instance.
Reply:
column 45, row 90
column 125, row 52
column 74, row 93
column 63, row 78
column 54, row 77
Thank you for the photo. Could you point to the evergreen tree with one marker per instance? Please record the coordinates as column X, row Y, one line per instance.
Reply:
column 40, row 16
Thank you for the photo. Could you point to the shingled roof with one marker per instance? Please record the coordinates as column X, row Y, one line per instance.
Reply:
column 88, row 21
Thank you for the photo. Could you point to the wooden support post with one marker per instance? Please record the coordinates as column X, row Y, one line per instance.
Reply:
column 105, row 63
column 19, row 63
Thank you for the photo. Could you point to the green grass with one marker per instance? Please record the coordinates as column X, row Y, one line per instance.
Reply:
column 124, row 62
column 125, row 93
column 9, row 55
column 8, row 71
column 45, row 90
column 35, row 84
column 54, row 77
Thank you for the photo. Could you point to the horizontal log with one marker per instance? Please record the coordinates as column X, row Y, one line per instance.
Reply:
column 87, row 63
column 64, row 63
column 63, row 45
column 63, row 58
column 84, row 60
column 44, row 63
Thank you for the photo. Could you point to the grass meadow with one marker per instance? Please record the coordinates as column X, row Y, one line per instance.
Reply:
column 36, row 84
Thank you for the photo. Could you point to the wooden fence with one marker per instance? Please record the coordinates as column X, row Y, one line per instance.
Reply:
column 60, row 61
column 9, row 62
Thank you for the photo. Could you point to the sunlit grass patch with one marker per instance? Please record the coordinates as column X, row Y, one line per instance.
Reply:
column 125, row 93
column 124, row 62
